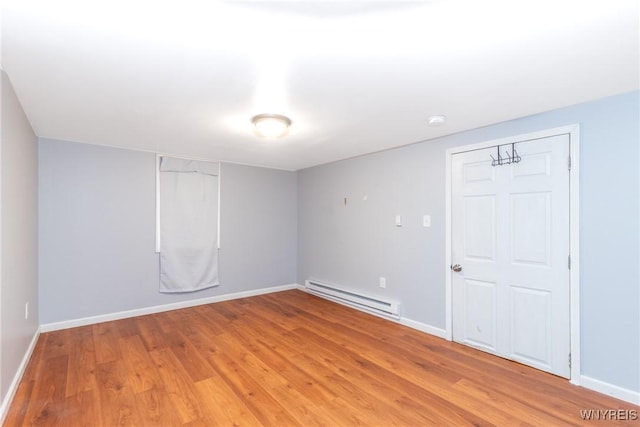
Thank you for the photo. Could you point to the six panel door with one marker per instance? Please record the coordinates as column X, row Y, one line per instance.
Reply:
column 510, row 235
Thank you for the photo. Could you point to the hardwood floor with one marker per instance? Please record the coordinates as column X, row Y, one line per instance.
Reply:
column 284, row 359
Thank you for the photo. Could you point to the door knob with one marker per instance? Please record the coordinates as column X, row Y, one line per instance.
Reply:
column 456, row 267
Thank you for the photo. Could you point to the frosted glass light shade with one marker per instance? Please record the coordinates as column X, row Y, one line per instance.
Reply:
column 271, row 125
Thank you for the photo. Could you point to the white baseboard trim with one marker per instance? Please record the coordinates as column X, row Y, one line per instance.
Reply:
column 48, row 327
column 423, row 327
column 13, row 387
column 627, row 395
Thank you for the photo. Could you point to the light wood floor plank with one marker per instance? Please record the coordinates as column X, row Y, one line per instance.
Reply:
column 83, row 408
column 156, row 408
column 105, row 341
column 178, row 384
column 257, row 398
column 118, row 405
column 222, row 404
column 151, row 332
column 141, row 372
column 81, row 372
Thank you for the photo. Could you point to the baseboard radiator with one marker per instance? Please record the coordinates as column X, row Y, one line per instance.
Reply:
column 355, row 299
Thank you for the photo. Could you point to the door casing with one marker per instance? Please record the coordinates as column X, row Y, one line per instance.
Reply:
column 574, row 237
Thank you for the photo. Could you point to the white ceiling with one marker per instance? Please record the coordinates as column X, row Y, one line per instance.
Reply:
column 185, row 76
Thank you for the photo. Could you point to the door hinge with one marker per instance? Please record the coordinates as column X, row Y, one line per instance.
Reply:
column 569, row 163
column 569, row 360
column 569, row 262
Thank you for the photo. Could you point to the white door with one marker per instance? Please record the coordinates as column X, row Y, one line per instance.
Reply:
column 510, row 243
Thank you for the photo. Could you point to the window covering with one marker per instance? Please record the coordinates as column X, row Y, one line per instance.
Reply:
column 188, row 224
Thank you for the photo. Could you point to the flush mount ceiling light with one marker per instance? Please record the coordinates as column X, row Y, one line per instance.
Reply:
column 271, row 125
column 437, row 120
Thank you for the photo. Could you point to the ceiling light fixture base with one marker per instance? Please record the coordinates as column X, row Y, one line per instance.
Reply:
column 437, row 120
column 271, row 125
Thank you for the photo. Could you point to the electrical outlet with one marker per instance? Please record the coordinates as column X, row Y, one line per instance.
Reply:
column 26, row 310
column 383, row 282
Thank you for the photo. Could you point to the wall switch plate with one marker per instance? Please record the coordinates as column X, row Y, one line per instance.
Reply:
column 398, row 220
column 383, row 282
column 426, row 220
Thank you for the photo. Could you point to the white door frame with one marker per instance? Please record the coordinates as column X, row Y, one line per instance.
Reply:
column 574, row 236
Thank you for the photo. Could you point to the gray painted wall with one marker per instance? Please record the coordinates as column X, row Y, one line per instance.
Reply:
column 354, row 244
column 19, row 235
column 97, row 231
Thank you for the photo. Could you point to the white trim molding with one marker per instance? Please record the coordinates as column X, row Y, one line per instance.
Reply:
column 423, row 327
column 574, row 250
column 574, row 233
column 611, row 390
column 13, row 387
column 66, row 324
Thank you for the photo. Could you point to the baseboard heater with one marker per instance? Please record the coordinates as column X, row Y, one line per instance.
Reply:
column 354, row 299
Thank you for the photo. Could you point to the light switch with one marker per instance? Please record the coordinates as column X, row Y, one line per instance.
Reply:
column 398, row 221
column 426, row 220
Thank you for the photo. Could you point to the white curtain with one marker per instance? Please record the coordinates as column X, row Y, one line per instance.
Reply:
column 188, row 225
